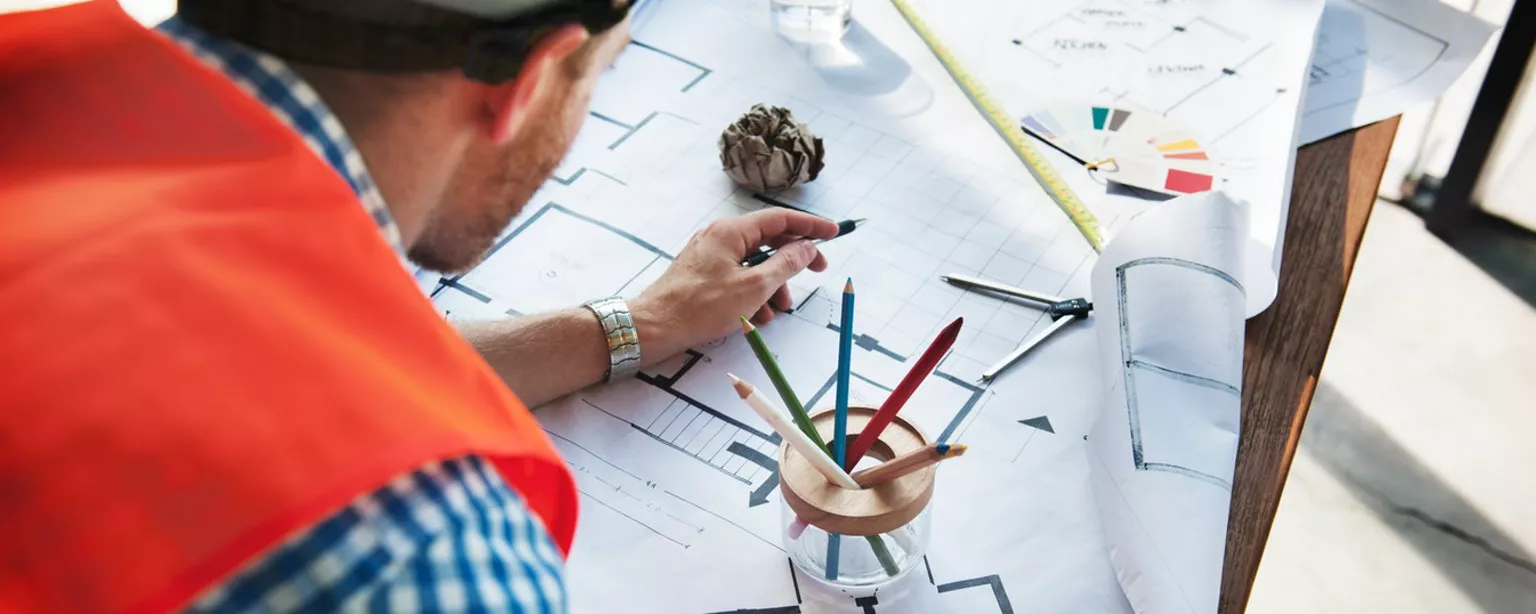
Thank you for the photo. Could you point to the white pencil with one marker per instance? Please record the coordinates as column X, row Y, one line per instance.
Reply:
column 777, row 419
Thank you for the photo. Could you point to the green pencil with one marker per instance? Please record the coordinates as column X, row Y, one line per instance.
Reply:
column 803, row 420
column 796, row 409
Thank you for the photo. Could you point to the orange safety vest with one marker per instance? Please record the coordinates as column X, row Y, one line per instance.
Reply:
column 205, row 344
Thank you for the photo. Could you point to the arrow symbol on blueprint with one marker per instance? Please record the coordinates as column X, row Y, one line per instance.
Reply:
column 1043, row 423
column 759, row 496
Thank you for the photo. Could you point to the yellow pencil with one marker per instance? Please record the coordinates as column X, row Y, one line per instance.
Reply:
column 907, row 463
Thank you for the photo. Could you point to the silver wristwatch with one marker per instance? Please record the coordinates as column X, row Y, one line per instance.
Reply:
column 623, row 342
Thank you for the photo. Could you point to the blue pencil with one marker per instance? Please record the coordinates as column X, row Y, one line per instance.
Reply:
column 840, row 419
column 844, row 370
column 834, row 554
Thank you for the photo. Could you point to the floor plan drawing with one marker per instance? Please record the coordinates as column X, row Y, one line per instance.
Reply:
column 1372, row 52
column 1174, row 63
column 664, row 152
column 981, row 595
column 1204, row 66
column 679, row 486
column 671, row 466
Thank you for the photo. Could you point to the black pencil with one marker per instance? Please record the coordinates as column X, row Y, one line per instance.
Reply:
column 843, row 227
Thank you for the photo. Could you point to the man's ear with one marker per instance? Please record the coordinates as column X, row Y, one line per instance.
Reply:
column 508, row 104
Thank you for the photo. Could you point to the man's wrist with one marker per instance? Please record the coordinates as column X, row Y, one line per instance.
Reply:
column 658, row 331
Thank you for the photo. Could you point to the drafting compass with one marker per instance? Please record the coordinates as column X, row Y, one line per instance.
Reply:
column 1063, row 311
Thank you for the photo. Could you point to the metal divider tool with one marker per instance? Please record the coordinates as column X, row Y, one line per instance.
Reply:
column 1063, row 311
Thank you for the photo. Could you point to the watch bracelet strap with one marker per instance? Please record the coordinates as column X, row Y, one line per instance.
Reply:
column 623, row 341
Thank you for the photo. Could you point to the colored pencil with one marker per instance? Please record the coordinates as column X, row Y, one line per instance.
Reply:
column 776, row 419
column 907, row 463
column 834, row 554
column 840, row 417
column 844, row 371
column 893, row 404
column 775, row 375
column 797, row 411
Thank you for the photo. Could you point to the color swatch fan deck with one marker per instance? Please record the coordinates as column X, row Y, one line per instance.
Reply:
column 1132, row 147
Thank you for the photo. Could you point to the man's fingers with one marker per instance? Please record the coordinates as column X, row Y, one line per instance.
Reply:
column 788, row 261
column 781, row 299
column 819, row 263
column 781, row 241
column 758, row 227
column 763, row 316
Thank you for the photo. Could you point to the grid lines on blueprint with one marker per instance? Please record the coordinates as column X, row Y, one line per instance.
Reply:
column 644, row 175
column 672, row 461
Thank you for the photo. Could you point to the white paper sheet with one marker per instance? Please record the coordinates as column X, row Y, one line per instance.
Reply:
column 679, row 498
column 678, row 485
column 1169, row 308
column 1233, row 74
column 1378, row 58
column 1230, row 72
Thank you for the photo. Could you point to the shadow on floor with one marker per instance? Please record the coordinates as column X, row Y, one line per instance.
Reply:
column 1420, row 506
column 1503, row 250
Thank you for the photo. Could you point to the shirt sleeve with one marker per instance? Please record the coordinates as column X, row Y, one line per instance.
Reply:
column 450, row 537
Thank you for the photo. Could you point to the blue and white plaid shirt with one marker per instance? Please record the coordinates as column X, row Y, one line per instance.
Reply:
column 449, row 537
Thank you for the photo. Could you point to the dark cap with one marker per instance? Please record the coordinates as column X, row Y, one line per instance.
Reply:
column 488, row 39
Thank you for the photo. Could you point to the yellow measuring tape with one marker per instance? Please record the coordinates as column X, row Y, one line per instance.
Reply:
column 1042, row 170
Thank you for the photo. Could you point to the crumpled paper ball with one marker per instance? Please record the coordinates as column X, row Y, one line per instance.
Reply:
column 766, row 150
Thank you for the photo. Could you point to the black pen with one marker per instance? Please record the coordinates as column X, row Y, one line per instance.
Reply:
column 843, row 227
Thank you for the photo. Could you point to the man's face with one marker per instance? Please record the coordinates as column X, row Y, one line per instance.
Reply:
column 495, row 181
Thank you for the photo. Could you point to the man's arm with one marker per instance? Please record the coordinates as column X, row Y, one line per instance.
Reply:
column 543, row 357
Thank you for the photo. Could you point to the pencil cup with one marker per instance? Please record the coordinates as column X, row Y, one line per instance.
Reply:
column 856, row 540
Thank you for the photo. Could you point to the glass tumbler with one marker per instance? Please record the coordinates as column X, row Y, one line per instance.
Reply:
column 811, row 21
column 856, row 540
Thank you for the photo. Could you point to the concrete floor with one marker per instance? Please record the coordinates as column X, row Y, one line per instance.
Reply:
column 1412, row 490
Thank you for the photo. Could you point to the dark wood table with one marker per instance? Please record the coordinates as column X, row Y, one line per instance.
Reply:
column 1331, row 197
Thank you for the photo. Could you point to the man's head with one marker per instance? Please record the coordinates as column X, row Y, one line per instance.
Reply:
column 523, row 130
column 455, row 157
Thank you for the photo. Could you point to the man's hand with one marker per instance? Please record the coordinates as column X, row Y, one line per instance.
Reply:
column 545, row 356
column 706, row 289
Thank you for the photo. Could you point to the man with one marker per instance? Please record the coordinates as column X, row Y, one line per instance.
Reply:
column 222, row 390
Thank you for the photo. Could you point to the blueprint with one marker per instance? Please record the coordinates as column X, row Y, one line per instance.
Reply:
column 1170, row 330
column 1371, row 58
column 678, row 479
column 1231, row 74
column 679, row 486
column 1234, row 74
column 1378, row 58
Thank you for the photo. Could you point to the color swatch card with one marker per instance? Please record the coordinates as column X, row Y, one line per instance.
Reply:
column 1128, row 146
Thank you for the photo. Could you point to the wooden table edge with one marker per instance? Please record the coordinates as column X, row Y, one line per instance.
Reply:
column 1333, row 189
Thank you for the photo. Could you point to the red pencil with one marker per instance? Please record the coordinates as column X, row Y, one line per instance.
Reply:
column 920, row 370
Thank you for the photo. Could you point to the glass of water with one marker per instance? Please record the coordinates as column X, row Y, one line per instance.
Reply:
column 811, row 21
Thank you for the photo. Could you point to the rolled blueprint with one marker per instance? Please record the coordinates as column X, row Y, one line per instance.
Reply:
column 1169, row 308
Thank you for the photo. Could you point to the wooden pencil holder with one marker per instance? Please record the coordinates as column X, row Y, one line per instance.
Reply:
column 856, row 540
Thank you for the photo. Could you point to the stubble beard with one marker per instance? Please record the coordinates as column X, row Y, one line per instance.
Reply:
column 489, row 190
